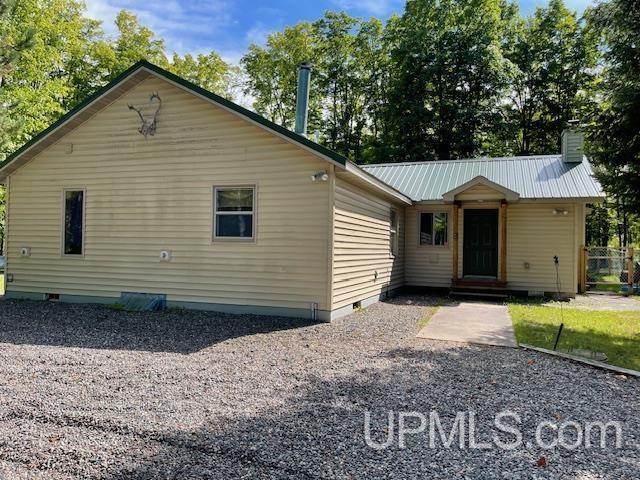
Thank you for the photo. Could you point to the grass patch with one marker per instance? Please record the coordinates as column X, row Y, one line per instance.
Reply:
column 1, row 284
column 616, row 333
column 429, row 312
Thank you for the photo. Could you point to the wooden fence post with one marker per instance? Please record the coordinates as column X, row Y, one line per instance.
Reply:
column 630, row 270
column 582, row 270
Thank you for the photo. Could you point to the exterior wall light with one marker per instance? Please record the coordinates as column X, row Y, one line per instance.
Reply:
column 560, row 211
column 320, row 177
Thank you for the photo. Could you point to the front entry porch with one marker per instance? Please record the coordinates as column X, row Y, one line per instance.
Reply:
column 480, row 253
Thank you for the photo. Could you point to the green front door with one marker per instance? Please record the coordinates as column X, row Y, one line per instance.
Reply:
column 480, row 251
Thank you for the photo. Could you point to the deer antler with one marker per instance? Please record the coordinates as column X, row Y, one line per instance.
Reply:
column 148, row 127
column 131, row 107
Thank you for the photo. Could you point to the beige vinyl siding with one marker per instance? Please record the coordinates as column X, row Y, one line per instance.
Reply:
column 480, row 192
column 427, row 265
column 534, row 236
column 153, row 194
column 361, row 246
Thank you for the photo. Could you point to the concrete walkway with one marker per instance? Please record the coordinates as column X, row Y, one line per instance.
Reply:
column 472, row 322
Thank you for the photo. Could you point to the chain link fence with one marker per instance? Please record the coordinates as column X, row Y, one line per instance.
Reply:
column 608, row 268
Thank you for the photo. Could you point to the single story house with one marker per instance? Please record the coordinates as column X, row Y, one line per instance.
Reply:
column 154, row 185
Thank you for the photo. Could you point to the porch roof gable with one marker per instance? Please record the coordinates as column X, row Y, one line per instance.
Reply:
column 509, row 195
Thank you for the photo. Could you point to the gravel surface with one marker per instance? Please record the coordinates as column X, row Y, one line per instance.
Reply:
column 90, row 392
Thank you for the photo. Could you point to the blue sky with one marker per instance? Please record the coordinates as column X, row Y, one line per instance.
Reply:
column 229, row 26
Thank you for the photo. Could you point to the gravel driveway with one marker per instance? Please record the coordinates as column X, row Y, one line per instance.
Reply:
column 90, row 392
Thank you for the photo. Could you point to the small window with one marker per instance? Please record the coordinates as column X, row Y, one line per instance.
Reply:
column 234, row 213
column 73, row 222
column 434, row 228
column 393, row 232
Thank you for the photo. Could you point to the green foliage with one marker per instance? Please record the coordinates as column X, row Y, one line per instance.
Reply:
column 12, row 46
column 272, row 74
column 552, row 57
column 208, row 71
column 448, row 72
column 614, row 139
column 600, row 226
column 39, row 86
column 349, row 78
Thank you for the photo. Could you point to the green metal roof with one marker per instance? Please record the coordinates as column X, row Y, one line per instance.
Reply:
column 531, row 177
column 143, row 64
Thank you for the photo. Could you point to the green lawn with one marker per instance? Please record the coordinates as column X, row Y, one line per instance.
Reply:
column 613, row 286
column 616, row 333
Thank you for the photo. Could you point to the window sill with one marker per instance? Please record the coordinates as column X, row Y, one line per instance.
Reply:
column 233, row 240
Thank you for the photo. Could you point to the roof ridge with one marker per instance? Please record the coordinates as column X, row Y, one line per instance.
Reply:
column 460, row 160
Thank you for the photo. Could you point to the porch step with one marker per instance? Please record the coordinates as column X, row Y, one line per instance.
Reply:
column 478, row 283
column 485, row 294
column 493, row 290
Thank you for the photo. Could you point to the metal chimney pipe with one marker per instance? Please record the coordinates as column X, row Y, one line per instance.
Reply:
column 302, row 98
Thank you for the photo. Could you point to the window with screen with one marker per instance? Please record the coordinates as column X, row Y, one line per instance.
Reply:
column 73, row 222
column 234, row 213
column 434, row 228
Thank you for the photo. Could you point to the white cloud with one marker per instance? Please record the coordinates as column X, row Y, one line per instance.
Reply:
column 179, row 23
column 258, row 33
column 371, row 7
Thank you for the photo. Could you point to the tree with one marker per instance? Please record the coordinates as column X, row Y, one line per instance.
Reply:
column 614, row 141
column 40, row 86
column 448, row 73
column 351, row 74
column 11, row 47
column 207, row 71
column 599, row 226
column 559, row 59
column 272, row 74
column 134, row 42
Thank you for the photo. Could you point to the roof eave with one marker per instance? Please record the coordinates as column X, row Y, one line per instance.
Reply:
column 377, row 183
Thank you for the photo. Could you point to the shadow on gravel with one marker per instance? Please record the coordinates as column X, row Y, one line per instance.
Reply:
column 319, row 430
column 95, row 326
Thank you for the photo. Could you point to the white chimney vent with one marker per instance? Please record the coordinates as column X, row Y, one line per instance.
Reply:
column 572, row 143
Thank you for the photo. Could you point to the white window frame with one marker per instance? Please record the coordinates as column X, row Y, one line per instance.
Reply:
column 433, row 229
column 253, row 212
column 63, row 218
column 393, row 232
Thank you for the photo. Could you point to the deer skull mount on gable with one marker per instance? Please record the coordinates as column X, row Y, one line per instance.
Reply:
column 148, row 126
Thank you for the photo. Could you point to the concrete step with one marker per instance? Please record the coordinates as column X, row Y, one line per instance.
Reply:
column 486, row 294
